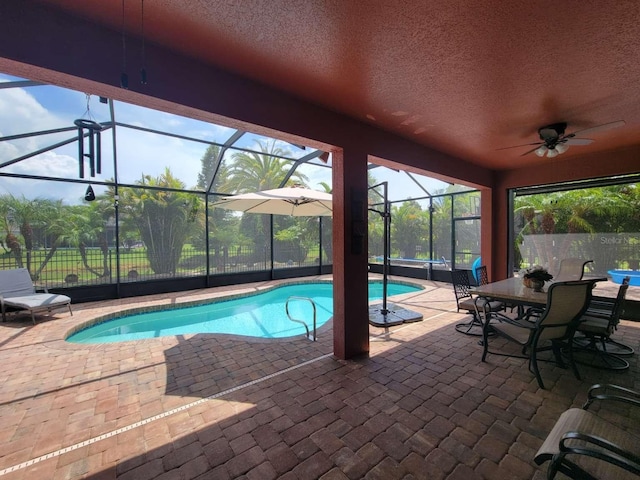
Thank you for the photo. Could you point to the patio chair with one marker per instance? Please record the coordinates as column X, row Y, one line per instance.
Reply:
column 483, row 279
column 482, row 275
column 595, row 347
column 466, row 301
column 582, row 445
column 566, row 302
column 571, row 269
column 17, row 292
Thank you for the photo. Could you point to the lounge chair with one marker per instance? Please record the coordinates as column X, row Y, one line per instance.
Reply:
column 17, row 292
column 583, row 445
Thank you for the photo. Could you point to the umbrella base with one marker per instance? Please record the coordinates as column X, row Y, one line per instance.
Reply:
column 394, row 315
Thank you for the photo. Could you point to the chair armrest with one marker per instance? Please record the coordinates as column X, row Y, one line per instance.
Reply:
column 612, row 392
column 601, row 449
column 533, row 314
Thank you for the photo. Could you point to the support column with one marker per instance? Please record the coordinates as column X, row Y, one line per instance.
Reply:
column 350, row 257
column 487, row 244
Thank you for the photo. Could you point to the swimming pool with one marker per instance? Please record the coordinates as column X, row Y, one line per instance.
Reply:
column 258, row 315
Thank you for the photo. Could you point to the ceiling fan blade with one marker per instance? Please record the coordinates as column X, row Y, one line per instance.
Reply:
column 523, row 145
column 597, row 128
column 532, row 150
column 577, row 141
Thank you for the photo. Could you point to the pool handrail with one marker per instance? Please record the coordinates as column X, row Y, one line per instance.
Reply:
column 286, row 307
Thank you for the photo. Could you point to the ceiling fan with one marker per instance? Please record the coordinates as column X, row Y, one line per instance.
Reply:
column 555, row 141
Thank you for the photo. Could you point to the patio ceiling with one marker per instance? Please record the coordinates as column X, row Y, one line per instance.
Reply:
column 465, row 77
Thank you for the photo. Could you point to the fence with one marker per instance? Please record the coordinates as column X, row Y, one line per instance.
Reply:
column 68, row 267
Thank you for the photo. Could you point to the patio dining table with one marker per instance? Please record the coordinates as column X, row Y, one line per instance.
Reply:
column 513, row 291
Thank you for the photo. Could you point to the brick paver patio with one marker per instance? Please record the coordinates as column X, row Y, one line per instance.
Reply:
column 422, row 405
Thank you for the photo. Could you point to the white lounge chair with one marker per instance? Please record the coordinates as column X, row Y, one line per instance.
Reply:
column 18, row 292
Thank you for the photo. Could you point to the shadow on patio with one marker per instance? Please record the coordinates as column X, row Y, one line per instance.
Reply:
column 422, row 406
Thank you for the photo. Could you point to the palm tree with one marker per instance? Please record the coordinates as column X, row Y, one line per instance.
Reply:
column 409, row 227
column 253, row 172
column 539, row 213
column 164, row 218
column 83, row 225
column 11, row 241
column 19, row 215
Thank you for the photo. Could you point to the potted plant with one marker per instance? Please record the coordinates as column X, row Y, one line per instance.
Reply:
column 534, row 277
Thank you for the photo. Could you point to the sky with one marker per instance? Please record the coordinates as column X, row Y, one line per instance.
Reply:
column 38, row 108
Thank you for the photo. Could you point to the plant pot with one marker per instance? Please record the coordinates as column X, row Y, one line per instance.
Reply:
column 537, row 285
column 527, row 282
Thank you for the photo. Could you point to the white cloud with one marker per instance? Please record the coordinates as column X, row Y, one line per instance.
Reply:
column 21, row 113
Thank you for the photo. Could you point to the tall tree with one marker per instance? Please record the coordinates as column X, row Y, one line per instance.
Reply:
column 220, row 220
column 19, row 218
column 164, row 218
column 409, row 227
column 84, row 225
column 252, row 172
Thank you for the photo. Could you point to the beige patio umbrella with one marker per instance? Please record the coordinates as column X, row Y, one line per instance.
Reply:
column 295, row 201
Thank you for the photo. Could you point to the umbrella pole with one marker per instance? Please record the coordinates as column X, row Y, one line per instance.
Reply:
column 386, row 216
column 387, row 243
column 385, row 317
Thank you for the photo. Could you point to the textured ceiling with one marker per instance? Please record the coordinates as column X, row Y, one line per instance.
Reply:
column 466, row 77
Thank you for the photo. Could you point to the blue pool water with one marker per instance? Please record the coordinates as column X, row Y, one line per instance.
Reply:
column 261, row 315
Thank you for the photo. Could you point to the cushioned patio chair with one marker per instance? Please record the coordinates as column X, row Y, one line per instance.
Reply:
column 582, row 445
column 466, row 301
column 593, row 345
column 553, row 330
column 571, row 269
column 18, row 293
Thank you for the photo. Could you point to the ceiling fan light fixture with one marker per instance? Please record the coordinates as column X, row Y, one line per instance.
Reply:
column 561, row 148
column 552, row 153
column 541, row 150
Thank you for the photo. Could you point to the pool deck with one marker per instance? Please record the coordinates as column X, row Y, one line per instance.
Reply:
column 422, row 405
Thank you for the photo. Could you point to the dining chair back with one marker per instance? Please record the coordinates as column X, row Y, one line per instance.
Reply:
column 466, row 301
column 554, row 329
column 595, row 347
column 571, row 269
column 482, row 275
column 462, row 289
